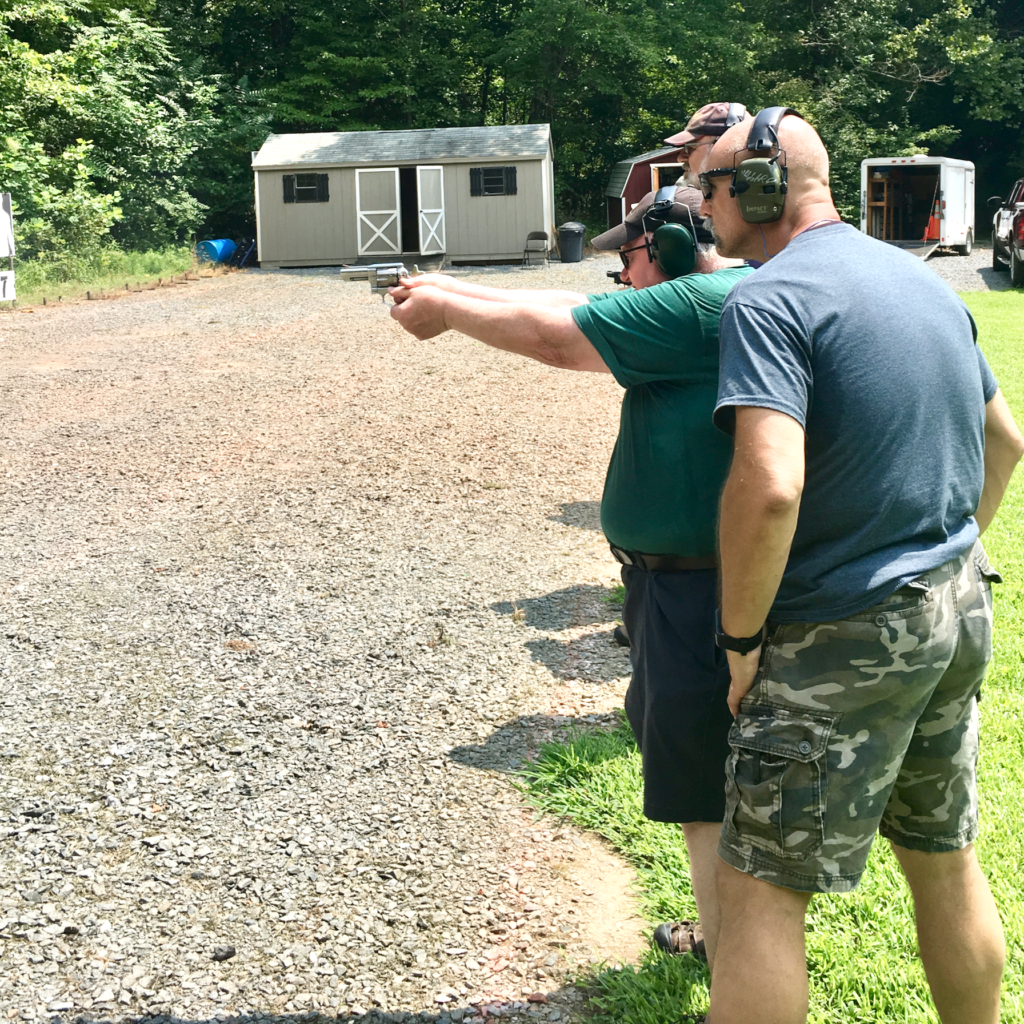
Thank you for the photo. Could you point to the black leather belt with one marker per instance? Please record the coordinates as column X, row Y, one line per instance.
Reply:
column 662, row 563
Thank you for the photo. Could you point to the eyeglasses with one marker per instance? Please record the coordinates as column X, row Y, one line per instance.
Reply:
column 622, row 254
column 688, row 147
column 705, row 179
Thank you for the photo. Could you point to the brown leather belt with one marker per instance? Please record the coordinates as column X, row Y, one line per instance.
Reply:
column 662, row 563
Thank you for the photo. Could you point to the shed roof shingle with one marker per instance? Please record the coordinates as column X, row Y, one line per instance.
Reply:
column 336, row 149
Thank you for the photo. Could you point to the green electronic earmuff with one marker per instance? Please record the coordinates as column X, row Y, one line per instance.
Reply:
column 759, row 183
column 673, row 247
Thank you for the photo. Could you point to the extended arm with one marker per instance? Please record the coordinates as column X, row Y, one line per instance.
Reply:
column 544, row 333
column 1004, row 447
column 758, row 517
column 535, row 296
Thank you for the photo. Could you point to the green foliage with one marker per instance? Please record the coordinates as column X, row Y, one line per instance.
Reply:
column 126, row 120
column 861, row 947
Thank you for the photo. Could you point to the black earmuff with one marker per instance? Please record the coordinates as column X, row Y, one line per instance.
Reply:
column 736, row 113
column 673, row 247
column 674, row 250
column 759, row 183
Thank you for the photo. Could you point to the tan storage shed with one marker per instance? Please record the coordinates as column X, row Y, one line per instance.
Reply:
column 472, row 194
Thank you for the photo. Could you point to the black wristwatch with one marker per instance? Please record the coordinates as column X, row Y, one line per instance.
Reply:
column 739, row 644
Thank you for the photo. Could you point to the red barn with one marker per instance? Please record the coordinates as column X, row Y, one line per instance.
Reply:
column 633, row 178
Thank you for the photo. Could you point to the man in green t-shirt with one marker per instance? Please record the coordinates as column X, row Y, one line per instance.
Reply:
column 660, row 341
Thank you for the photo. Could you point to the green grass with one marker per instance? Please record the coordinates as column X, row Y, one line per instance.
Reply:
column 861, row 948
column 109, row 270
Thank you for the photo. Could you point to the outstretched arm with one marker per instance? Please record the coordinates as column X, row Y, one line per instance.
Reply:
column 535, row 296
column 542, row 332
column 1003, row 449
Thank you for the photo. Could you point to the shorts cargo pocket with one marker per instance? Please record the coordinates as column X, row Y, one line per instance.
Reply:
column 776, row 779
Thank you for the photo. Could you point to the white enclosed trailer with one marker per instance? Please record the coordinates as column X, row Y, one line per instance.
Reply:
column 918, row 202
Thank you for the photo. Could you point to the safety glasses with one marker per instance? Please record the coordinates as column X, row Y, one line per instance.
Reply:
column 622, row 254
column 705, row 179
column 687, row 149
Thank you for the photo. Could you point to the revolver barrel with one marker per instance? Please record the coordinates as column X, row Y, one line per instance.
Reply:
column 381, row 276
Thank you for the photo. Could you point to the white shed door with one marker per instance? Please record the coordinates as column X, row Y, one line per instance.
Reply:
column 430, row 186
column 378, row 212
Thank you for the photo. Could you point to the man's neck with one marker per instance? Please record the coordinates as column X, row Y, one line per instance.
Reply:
column 709, row 262
column 778, row 236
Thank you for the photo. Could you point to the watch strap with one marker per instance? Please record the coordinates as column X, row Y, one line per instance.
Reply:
column 739, row 644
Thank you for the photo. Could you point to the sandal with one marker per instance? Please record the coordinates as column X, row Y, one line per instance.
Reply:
column 681, row 937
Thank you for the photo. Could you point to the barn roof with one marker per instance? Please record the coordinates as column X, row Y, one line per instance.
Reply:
column 421, row 145
column 620, row 172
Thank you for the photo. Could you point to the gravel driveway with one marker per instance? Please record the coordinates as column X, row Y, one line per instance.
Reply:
column 972, row 273
column 287, row 596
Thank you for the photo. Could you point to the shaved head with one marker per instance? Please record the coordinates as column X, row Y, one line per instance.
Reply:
column 808, row 197
column 805, row 156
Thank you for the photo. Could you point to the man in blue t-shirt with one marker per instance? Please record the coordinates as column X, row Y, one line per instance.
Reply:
column 871, row 446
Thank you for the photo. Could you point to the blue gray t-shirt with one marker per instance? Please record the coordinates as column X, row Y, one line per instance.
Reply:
column 875, row 357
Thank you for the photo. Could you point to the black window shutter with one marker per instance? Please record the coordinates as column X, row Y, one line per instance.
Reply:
column 476, row 181
column 510, row 181
column 322, row 194
column 289, row 188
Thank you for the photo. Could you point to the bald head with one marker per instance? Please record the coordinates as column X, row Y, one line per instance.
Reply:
column 808, row 199
column 805, row 156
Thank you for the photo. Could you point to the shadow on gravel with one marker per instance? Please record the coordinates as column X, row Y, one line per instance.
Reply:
column 584, row 514
column 556, row 1007
column 584, row 604
column 987, row 278
column 594, row 658
column 511, row 744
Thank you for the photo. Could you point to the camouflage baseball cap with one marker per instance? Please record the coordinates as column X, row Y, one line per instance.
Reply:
column 685, row 211
column 711, row 119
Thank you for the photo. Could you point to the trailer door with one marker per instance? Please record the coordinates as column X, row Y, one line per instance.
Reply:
column 954, row 224
column 430, row 189
column 378, row 212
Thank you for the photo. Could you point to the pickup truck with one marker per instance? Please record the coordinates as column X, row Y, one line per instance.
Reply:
column 1008, row 233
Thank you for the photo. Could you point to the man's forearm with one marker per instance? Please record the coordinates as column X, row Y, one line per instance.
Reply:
column 515, row 296
column 544, row 333
column 1003, row 449
column 758, row 516
column 755, row 535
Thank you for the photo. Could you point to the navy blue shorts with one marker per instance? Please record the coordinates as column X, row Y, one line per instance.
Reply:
column 676, row 701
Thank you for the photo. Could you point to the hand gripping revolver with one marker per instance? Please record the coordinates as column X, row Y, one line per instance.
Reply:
column 381, row 276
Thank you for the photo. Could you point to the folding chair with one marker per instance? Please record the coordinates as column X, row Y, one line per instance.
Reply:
column 536, row 242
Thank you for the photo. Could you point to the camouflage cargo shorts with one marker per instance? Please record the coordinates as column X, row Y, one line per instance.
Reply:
column 867, row 724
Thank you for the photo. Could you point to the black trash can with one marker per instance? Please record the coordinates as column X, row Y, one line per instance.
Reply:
column 570, row 241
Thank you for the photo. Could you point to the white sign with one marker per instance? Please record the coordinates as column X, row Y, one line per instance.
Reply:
column 6, row 226
column 7, row 286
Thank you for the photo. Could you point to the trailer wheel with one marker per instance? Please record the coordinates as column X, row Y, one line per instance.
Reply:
column 1016, row 269
column 965, row 249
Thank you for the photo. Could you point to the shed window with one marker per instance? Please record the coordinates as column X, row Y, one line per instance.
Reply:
column 306, row 188
column 492, row 181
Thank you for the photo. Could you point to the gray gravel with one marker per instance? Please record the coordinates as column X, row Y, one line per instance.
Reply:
column 287, row 595
column 972, row 273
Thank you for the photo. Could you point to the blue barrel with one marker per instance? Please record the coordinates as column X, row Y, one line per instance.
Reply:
column 216, row 250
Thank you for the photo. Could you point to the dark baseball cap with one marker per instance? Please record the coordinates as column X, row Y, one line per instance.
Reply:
column 685, row 211
column 711, row 119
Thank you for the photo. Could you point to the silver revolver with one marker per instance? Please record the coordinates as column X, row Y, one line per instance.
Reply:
column 381, row 276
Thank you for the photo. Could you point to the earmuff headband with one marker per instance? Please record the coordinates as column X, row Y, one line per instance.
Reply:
column 764, row 132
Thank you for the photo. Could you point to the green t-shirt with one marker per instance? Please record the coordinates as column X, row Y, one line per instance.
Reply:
column 669, row 463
